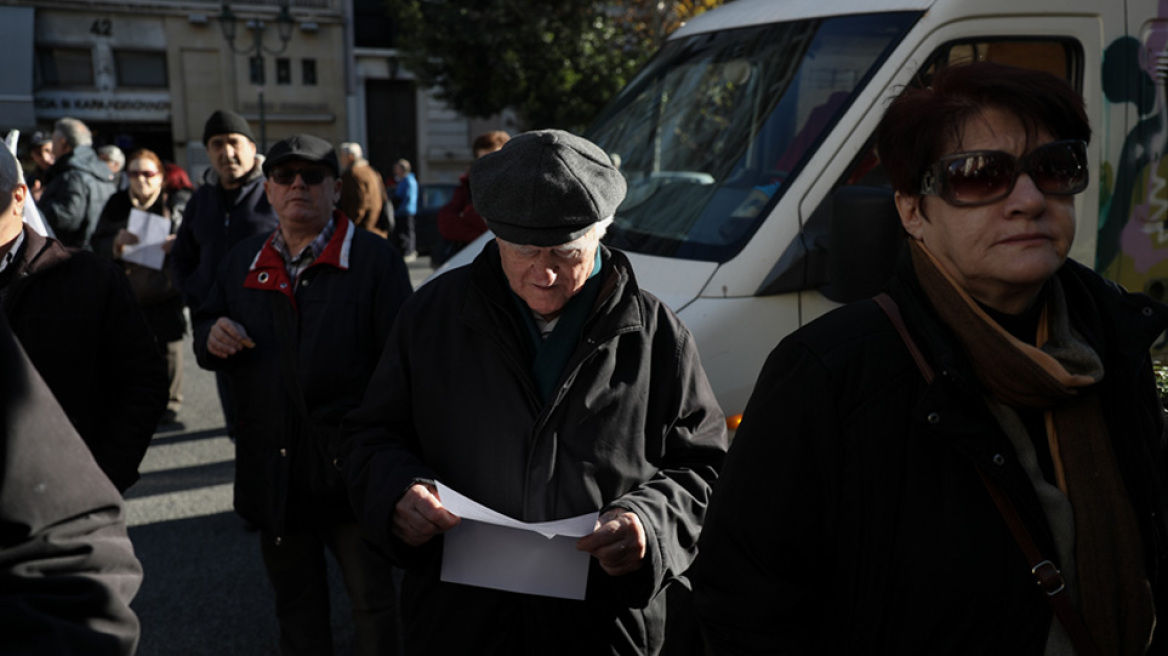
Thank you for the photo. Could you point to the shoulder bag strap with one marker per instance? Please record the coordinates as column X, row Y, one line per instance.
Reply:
column 1045, row 574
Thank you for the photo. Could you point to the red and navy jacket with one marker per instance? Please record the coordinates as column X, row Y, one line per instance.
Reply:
column 335, row 317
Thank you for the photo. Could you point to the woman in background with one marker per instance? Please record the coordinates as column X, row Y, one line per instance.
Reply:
column 156, row 293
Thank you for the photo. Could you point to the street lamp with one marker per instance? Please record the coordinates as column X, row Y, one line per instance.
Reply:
column 284, row 25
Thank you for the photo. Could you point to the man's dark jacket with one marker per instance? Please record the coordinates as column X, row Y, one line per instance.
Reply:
column 67, row 569
column 79, row 186
column 850, row 518
column 210, row 228
column 77, row 318
column 338, row 315
column 631, row 423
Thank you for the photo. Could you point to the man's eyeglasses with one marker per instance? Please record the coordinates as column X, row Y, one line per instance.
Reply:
column 142, row 174
column 980, row 177
column 311, row 176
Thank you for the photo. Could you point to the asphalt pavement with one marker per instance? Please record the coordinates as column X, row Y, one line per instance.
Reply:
column 204, row 590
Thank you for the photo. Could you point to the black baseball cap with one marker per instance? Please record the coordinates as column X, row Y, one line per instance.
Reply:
column 303, row 147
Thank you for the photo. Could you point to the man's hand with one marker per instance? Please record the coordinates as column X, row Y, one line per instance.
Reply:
column 227, row 338
column 618, row 542
column 419, row 515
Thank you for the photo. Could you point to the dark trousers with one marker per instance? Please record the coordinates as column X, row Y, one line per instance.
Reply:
column 223, row 384
column 298, row 572
column 405, row 234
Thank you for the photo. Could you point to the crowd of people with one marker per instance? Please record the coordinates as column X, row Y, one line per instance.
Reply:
column 970, row 462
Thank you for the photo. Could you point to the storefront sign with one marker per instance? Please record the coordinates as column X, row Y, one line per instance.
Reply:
column 96, row 106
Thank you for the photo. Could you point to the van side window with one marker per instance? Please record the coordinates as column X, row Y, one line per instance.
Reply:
column 808, row 267
column 711, row 132
column 1056, row 56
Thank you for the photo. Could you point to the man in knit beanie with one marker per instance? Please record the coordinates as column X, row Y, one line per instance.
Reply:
column 542, row 383
column 227, row 208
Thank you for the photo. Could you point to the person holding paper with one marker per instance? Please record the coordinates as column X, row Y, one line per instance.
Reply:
column 541, row 382
column 77, row 319
column 297, row 319
column 143, row 212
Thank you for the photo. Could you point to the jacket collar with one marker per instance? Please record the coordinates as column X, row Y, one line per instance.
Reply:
column 211, row 176
column 269, row 273
column 618, row 307
column 83, row 159
column 40, row 253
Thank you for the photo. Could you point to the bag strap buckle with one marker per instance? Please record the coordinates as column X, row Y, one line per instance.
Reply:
column 1049, row 578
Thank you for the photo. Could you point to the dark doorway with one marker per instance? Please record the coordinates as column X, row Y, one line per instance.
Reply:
column 391, row 121
column 131, row 136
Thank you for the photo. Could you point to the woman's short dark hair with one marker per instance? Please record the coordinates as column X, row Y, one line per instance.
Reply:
column 925, row 119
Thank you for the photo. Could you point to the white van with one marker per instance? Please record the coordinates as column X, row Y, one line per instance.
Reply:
column 756, row 202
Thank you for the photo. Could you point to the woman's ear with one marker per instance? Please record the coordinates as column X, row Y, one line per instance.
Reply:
column 911, row 217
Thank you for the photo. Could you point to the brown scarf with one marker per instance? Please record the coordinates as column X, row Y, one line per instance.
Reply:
column 1114, row 595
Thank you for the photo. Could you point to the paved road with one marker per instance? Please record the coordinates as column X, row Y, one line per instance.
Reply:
column 204, row 591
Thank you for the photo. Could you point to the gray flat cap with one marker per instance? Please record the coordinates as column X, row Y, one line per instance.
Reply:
column 545, row 188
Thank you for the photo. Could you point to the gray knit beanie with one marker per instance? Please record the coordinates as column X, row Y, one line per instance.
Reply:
column 545, row 188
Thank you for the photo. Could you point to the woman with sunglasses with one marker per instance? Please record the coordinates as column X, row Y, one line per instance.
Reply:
column 991, row 480
column 157, row 296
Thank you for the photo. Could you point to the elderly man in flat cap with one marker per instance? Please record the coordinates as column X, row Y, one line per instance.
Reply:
column 297, row 319
column 542, row 383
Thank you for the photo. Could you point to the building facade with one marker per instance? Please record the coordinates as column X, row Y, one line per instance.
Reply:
column 147, row 73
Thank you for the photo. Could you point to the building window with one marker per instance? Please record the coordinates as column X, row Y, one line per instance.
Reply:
column 373, row 27
column 64, row 67
column 283, row 71
column 140, row 68
column 308, row 72
column 256, row 68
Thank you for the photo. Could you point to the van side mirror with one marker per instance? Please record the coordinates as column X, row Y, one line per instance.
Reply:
column 865, row 238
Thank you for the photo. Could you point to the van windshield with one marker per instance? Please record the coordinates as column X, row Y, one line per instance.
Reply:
column 711, row 130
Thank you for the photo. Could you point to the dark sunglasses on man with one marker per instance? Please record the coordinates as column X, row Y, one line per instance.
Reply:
column 981, row 177
column 310, row 176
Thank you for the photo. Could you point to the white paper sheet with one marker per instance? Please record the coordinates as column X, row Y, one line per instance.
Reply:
column 151, row 231
column 490, row 550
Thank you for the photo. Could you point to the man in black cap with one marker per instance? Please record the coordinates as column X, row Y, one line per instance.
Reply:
column 228, row 208
column 541, row 382
column 297, row 319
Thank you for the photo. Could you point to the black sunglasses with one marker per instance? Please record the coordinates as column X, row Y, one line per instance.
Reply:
column 980, row 177
column 311, row 176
